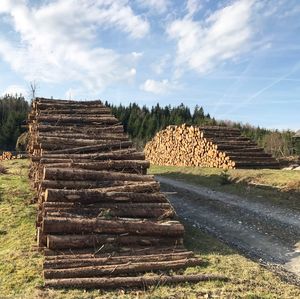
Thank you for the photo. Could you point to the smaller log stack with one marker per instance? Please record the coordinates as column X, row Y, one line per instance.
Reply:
column 102, row 221
column 210, row 146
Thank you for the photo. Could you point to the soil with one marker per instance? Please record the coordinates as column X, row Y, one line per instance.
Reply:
column 262, row 231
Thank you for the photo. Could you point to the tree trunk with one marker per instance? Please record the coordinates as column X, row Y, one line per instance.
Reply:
column 92, row 196
column 69, row 174
column 96, row 225
column 116, row 269
column 98, row 240
column 110, row 260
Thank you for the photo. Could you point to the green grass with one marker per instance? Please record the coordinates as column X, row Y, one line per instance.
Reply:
column 21, row 264
column 280, row 187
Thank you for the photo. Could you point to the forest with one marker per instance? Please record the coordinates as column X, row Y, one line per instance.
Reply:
column 13, row 115
column 142, row 123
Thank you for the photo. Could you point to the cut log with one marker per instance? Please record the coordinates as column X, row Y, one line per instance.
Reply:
column 116, row 269
column 64, row 263
column 83, row 158
column 61, row 119
column 80, row 129
column 91, row 175
column 92, row 196
column 98, row 240
column 47, row 184
column 137, row 165
column 94, row 148
column 116, row 226
column 95, row 253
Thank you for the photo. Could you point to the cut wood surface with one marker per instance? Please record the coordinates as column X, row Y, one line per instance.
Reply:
column 219, row 147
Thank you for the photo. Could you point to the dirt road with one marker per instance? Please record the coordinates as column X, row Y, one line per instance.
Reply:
column 264, row 232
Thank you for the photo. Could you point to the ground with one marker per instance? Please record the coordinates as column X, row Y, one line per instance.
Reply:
column 20, row 263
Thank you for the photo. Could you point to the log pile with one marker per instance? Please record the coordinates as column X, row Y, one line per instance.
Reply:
column 210, row 146
column 102, row 221
column 7, row 156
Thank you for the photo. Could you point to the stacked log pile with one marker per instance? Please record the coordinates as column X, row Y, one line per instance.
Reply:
column 210, row 146
column 6, row 156
column 102, row 221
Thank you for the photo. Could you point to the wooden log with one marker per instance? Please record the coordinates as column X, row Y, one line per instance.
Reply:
column 93, row 196
column 64, row 263
column 126, row 154
column 84, row 136
column 98, row 240
column 93, row 148
column 80, row 111
column 116, row 226
column 47, row 184
column 91, row 175
column 136, row 165
column 129, row 282
column 112, row 211
column 80, row 129
column 101, row 252
column 117, row 269
column 61, row 119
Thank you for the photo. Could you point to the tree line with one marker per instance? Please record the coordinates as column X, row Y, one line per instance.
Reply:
column 142, row 123
column 13, row 115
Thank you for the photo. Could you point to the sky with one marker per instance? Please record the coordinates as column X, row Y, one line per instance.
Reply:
column 238, row 59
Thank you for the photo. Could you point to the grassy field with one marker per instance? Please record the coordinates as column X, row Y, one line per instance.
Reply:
column 21, row 264
column 281, row 187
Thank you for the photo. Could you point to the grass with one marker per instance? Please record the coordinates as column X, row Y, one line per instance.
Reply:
column 280, row 187
column 21, row 264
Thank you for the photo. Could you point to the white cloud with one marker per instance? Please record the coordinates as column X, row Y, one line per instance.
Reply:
column 157, row 87
column 160, row 66
column 159, row 6
column 15, row 89
column 192, row 7
column 58, row 40
column 222, row 36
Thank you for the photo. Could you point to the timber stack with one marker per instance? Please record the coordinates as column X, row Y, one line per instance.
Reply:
column 102, row 221
column 209, row 146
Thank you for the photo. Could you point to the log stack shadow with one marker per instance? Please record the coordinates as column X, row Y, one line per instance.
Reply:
column 102, row 222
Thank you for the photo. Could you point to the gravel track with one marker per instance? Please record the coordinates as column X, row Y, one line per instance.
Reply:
column 262, row 231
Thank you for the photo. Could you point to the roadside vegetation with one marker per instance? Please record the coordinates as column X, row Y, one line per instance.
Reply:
column 21, row 264
column 280, row 187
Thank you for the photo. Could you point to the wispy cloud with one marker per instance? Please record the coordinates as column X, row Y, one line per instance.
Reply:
column 157, row 87
column 58, row 41
column 222, row 36
column 159, row 6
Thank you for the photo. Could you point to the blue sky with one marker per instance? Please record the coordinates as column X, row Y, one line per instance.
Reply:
column 238, row 59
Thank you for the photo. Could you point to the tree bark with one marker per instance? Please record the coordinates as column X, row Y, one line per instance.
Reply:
column 92, row 175
column 93, row 148
column 110, row 260
column 129, row 282
column 93, row 196
column 116, row 226
column 116, row 269
column 98, row 240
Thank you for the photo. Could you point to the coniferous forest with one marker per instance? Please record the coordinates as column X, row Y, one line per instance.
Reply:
column 142, row 123
column 13, row 114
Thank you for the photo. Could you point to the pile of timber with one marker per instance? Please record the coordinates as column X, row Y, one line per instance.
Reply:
column 102, row 221
column 7, row 156
column 210, row 146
